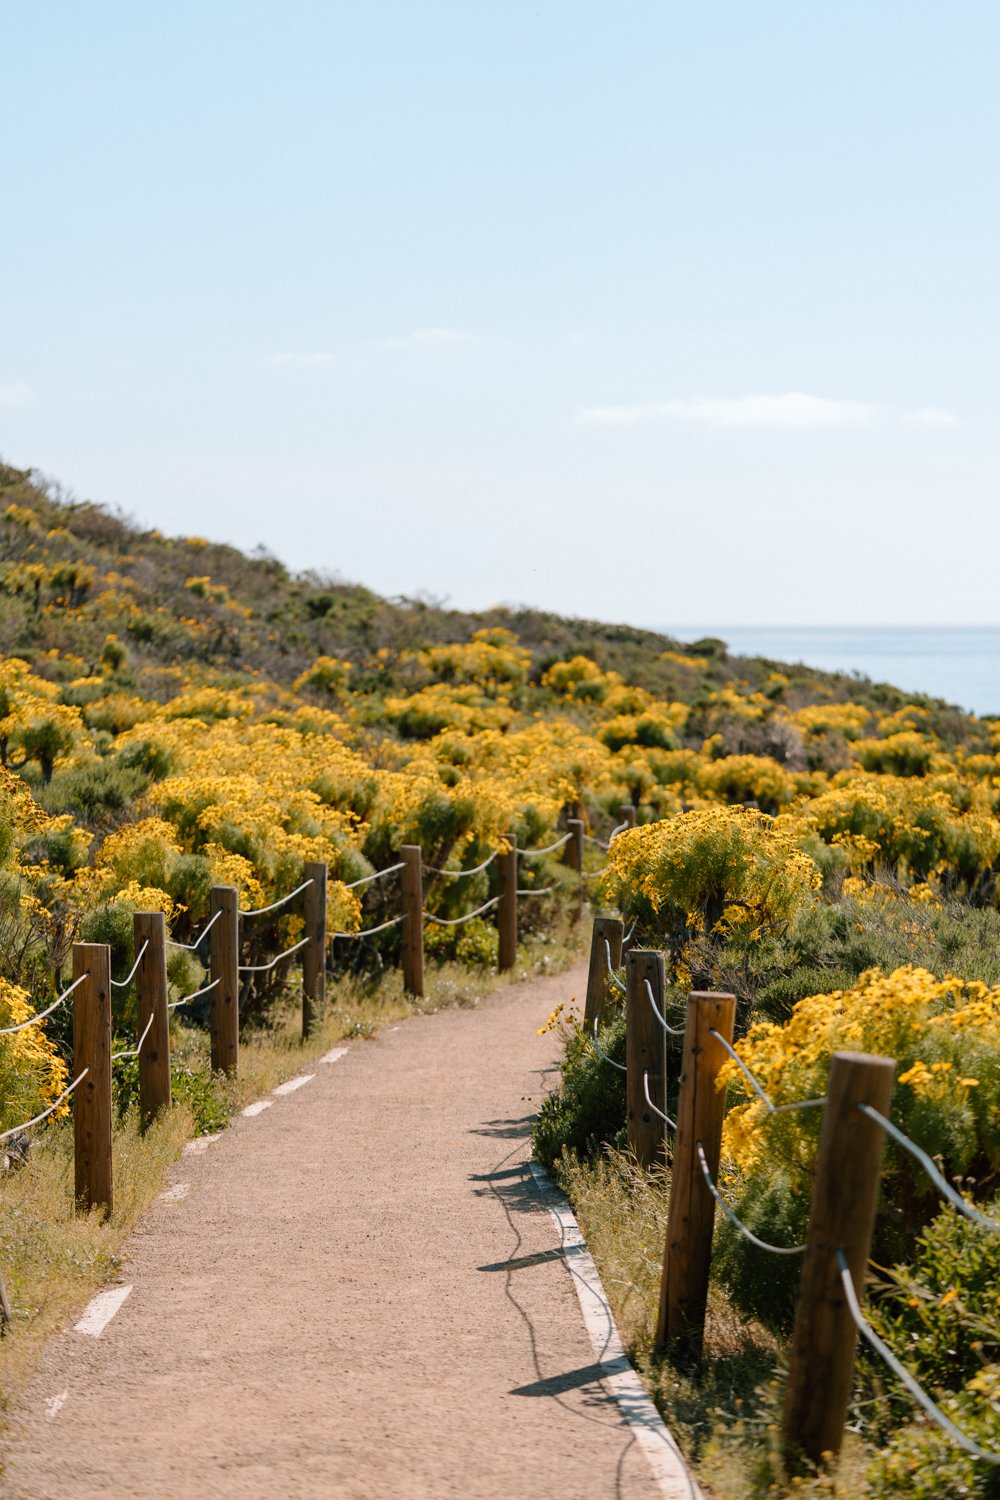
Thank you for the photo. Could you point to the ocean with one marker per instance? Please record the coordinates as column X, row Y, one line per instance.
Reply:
column 960, row 663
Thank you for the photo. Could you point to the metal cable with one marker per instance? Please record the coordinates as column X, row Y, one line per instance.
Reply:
column 620, row 828
column 910, row 1381
column 461, row 874
column 173, row 1004
column 747, row 1233
column 673, row 1030
column 655, row 1108
column 120, row 984
column 599, row 842
column 627, row 937
column 457, row 921
column 936, row 1176
column 549, row 848
column 172, row 943
column 33, row 1020
column 611, row 973
column 263, row 968
column 134, row 1051
column 16, row 1129
column 542, row 890
column 352, row 885
column 369, row 931
column 262, row 911
column 604, row 1055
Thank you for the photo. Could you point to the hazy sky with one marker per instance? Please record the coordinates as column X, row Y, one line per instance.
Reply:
column 650, row 311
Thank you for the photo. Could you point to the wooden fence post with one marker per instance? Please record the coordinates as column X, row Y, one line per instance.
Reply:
column 92, row 1099
column 845, row 1195
column 314, row 953
column 627, row 812
column 701, row 1109
column 574, row 849
column 149, row 927
column 507, row 905
column 645, row 1053
column 225, row 968
column 413, row 919
column 606, row 930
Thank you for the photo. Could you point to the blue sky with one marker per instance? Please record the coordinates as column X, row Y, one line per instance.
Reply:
column 653, row 312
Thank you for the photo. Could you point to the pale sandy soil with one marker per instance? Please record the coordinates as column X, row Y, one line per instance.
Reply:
column 337, row 1308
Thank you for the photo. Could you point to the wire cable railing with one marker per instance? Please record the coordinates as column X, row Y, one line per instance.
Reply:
column 262, row 911
column 611, row 973
column 274, row 962
column 769, row 1104
column 370, row 931
column 34, row 1020
column 731, row 1213
column 120, row 984
column 352, row 885
column 134, row 1051
column 944, row 1187
column 548, row 849
column 16, row 1129
column 603, row 1055
column 186, row 999
column 598, row 843
column 462, row 874
column 541, row 890
column 655, row 1107
column 671, row 1030
column 203, row 934
column 457, row 921
column 910, row 1381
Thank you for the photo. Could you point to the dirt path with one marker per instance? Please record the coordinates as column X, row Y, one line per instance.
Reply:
column 335, row 1307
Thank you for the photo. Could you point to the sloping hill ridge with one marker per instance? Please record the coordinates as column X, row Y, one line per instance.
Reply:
column 74, row 572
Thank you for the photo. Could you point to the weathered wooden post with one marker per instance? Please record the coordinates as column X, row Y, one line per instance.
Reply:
column 149, row 928
column 701, row 1110
column 507, row 905
column 413, row 918
column 225, row 976
column 314, row 953
column 92, row 1098
column 574, row 849
column 845, row 1196
column 607, row 930
column 627, row 814
column 645, row 1054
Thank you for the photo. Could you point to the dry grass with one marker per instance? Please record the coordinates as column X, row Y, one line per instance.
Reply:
column 726, row 1417
column 52, row 1257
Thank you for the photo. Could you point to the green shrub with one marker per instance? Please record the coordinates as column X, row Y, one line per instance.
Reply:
column 587, row 1111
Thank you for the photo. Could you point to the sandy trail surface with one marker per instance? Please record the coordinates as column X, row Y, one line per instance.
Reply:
column 349, row 1299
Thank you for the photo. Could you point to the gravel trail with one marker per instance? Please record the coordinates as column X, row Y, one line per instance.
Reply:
column 352, row 1298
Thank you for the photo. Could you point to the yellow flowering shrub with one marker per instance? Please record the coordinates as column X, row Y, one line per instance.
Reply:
column 32, row 1074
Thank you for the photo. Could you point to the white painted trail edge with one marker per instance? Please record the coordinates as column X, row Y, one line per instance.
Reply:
column 55, row 1404
column 100, row 1310
column 293, row 1084
column 658, row 1444
column 258, row 1108
column 199, row 1144
column 334, row 1055
column 176, row 1194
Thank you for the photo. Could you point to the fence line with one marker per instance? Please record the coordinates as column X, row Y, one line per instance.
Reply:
column 121, row 984
column 910, row 1381
column 33, row 1020
column 352, row 885
column 262, row 911
column 16, row 1129
column 134, row 1052
column 190, row 947
column 731, row 1214
column 186, row 1000
column 944, row 1187
column 461, row 874
column 457, row 921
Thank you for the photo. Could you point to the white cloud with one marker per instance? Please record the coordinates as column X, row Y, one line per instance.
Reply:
column 16, row 393
column 931, row 416
column 425, row 338
column 790, row 410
